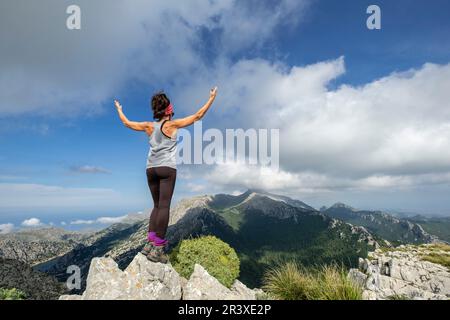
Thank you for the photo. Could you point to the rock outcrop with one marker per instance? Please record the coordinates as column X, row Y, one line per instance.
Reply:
column 402, row 273
column 145, row 280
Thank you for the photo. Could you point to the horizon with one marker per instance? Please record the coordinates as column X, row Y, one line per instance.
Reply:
column 363, row 114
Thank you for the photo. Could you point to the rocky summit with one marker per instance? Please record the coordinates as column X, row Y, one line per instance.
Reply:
column 145, row 280
column 404, row 273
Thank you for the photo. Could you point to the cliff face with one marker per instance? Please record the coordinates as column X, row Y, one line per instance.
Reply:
column 405, row 273
column 145, row 280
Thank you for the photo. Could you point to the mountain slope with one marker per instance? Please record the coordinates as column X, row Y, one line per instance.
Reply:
column 36, row 285
column 35, row 246
column 439, row 226
column 381, row 224
column 268, row 231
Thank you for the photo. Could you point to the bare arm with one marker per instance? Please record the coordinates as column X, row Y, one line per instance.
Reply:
column 138, row 126
column 185, row 122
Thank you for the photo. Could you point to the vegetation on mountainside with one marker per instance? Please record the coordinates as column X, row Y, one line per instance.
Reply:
column 262, row 241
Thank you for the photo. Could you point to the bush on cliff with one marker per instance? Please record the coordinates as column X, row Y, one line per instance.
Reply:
column 216, row 256
column 11, row 294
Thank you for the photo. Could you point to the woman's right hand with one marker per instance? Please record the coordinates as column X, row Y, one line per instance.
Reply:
column 213, row 93
column 117, row 105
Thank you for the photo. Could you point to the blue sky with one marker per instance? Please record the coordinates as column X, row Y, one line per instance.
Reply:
column 65, row 155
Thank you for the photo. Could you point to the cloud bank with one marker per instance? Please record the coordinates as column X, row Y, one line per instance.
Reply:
column 6, row 228
column 392, row 132
column 32, row 223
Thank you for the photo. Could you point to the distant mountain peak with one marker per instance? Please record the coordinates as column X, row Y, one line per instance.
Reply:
column 253, row 193
column 340, row 205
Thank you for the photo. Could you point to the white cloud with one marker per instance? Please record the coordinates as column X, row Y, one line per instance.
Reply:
column 6, row 228
column 101, row 220
column 89, row 169
column 80, row 221
column 32, row 223
column 111, row 220
column 66, row 73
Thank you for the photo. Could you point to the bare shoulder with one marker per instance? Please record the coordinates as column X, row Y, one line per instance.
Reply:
column 170, row 123
column 170, row 128
column 149, row 126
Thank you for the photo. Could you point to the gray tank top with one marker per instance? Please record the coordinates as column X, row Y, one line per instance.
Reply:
column 163, row 149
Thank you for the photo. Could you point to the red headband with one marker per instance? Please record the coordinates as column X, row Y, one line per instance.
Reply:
column 169, row 110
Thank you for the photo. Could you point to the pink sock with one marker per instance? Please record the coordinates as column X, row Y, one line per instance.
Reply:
column 159, row 242
column 151, row 236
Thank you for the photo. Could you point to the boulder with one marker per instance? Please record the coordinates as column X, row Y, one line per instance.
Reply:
column 105, row 281
column 202, row 286
column 141, row 280
column 357, row 277
column 152, row 281
column 145, row 280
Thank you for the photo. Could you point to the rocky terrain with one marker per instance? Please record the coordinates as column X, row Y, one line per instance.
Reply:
column 145, row 280
column 404, row 273
column 35, row 246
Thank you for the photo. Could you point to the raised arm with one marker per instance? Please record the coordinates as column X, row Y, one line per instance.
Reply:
column 138, row 126
column 185, row 122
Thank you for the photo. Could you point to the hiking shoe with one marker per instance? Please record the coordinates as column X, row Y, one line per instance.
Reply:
column 157, row 255
column 147, row 248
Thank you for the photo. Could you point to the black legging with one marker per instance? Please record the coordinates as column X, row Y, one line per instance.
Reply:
column 161, row 181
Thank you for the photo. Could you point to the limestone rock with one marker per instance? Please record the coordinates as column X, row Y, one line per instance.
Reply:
column 400, row 272
column 105, row 280
column 141, row 280
column 202, row 286
column 145, row 280
column 241, row 292
column 152, row 281
column 357, row 276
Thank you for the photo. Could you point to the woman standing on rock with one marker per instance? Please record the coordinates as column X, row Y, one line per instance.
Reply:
column 161, row 164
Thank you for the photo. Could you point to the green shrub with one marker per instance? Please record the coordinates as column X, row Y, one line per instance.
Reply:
column 291, row 281
column 216, row 256
column 11, row 294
